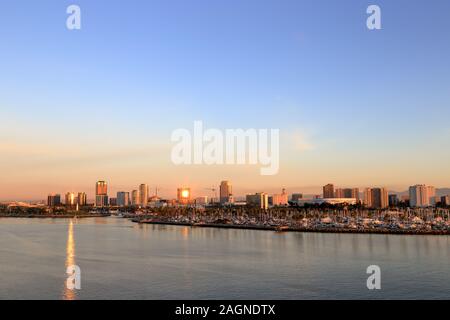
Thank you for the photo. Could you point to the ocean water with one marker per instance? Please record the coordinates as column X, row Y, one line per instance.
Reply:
column 122, row 260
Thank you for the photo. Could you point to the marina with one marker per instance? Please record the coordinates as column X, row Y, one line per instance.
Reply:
column 411, row 222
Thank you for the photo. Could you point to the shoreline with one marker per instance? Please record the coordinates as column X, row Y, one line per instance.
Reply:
column 68, row 216
column 308, row 230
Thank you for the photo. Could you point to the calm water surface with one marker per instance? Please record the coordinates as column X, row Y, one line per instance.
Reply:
column 122, row 260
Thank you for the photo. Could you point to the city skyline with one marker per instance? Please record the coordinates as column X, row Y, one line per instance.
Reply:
column 200, row 191
column 135, row 196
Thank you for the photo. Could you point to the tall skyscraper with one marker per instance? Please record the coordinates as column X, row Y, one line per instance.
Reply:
column 123, row 199
column 82, row 199
column 328, row 191
column 54, row 200
column 143, row 195
column 376, row 198
column 101, row 188
column 421, row 195
column 135, row 198
column 226, row 192
column 184, row 195
column 101, row 194
column 368, row 197
column 71, row 199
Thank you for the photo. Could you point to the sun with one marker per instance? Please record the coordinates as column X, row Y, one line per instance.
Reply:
column 185, row 193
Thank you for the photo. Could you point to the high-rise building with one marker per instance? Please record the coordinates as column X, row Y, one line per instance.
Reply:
column 380, row 198
column 280, row 199
column 101, row 201
column 226, row 192
column 296, row 196
column 445, row 200
column 54, row 200
column 184, row 195
column 71, row 199
column 123, row 199
column 421, row 195
column 367, row 197
column 376, row 198
column 82, row 199
column 101, row 188
column 143, row 195
column 113, row 202
column 260, row 200
column 431, row 191
column 135, row 198
column 393, row 200
column 328, row 191
column 101, row 194
column 347, row 193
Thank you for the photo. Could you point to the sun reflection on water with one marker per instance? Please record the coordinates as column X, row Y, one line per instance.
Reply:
column 70, row 261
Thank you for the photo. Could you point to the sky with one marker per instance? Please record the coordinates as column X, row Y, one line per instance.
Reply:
column 355, row 107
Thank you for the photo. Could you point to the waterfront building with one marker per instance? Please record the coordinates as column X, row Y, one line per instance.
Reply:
column 54, row 200
column 101, row 188
column 101, row 194
column 347, row 193
column 421, row 196
column 101, row 201
column 201, row 200
column 376, row 198
column 123, row 199
column 328, row 191
column 113, row 202
column 143, row 195
column 435, row 200
column 431, row 191
column 260, row 200
column 135, row 198
column 280, row 199
column 332, row 201
column 82, row 199
column 393, row 200
column 184, row 195
column 296, row 197
column 226, row 192
column 70, row 199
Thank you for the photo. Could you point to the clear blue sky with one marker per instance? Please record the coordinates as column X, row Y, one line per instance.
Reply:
column 367, row 102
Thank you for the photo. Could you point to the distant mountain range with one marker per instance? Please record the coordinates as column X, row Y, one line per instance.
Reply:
column 439, row 192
